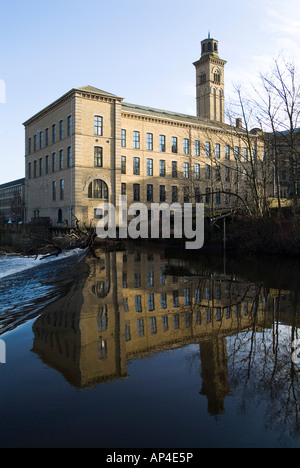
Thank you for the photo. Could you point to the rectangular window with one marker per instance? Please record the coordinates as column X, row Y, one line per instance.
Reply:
column 197, row 171
column 136, row 192
column 29, row 146
column 151, row 303
column 140, row 328
column 98, row 213
column 186, row 195
column 149, row 142
column 29, row 171
column 61, row 129
column 218, row 173
column 162, row 143
column 150, row 277
column 138, row 303
column 47, row 136
column 137, row 280
column 61, row 189
column 236, row 153
column 187, row 294
column 54, row 162
column 186, row 170
column 98, row 125
column 47, row 165
column 54, row 133
column 136, row 166
column 153, row 327
column 207, row 195
column 163, row 300
column 175, row 299
column 149, row 167
column 136, row 140
column 176, row 322
column 54, row 191
column 150, row 193
column 69, row 125
column 208, row 315
column 41, row 140
column 197, row 148
column 174, row 170
column 69, row 156
column 125, row 304
column 127, row 332
column 123, row 138
column 41, row 167
column 218, row 151
column 174, row 145
column 218, row 198
column 207, row 171
column 34, row 170
column 123, row 165
column 61, row 160
column 227, row 152
column 185, row 146
column 207, row 149
column 174, row 194
column 165, row 323
column 34, row 144
column 98, row 159
column 162, row 193
column 123, row 189
column 227, row 174
column 162, row 168
column 245, row 152
column 197, row 195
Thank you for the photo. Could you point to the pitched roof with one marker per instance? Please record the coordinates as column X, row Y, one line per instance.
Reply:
column 91, row 89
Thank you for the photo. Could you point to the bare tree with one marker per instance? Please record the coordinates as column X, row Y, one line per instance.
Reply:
column 279, row 104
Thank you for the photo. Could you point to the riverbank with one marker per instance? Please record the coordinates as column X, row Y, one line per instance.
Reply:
column 271, row 236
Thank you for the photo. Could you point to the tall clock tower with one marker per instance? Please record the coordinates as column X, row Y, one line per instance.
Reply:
column 210, row 82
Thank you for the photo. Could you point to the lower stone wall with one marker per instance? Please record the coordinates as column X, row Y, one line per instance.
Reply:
column 22, row 236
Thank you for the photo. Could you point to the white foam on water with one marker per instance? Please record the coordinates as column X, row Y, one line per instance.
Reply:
column 11, row 265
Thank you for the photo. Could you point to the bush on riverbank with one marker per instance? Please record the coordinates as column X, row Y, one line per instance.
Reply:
column 265, row 235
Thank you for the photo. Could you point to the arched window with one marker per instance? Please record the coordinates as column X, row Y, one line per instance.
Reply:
column 216, row 47
column 98, row 189
column 217, row 77
column 209, row 46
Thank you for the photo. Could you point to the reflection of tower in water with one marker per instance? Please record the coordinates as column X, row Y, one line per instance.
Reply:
column 215, row 379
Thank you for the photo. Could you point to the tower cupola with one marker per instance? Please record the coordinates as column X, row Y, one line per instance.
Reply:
column 210, row 81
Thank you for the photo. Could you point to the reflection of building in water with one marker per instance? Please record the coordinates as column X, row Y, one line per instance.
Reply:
column 134, row 303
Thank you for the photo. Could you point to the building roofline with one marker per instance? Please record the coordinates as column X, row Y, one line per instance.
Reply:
column 84, row 90
column 176, row 117
column 13, row 183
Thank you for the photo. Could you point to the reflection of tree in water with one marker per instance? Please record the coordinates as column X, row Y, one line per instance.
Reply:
column 261, row 371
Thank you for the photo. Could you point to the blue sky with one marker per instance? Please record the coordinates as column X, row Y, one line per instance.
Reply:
column 142, row 50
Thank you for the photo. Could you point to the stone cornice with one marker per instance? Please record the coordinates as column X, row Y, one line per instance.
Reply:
column 201, row 126
column 68, row 98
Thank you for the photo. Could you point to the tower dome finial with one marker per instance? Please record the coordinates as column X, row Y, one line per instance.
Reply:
column 209, row 34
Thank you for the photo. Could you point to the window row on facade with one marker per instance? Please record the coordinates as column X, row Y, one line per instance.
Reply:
column 210, row 150
column 190, row 297
column 50, row 164
column 185, row 170
column 173, row 194
column 50, row 136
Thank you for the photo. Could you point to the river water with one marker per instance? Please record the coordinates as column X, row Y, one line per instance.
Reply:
column 149, row 348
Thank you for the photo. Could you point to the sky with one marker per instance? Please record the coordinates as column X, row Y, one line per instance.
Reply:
column 141, row 50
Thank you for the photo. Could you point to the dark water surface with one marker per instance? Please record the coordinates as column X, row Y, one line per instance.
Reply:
column 147, row 348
